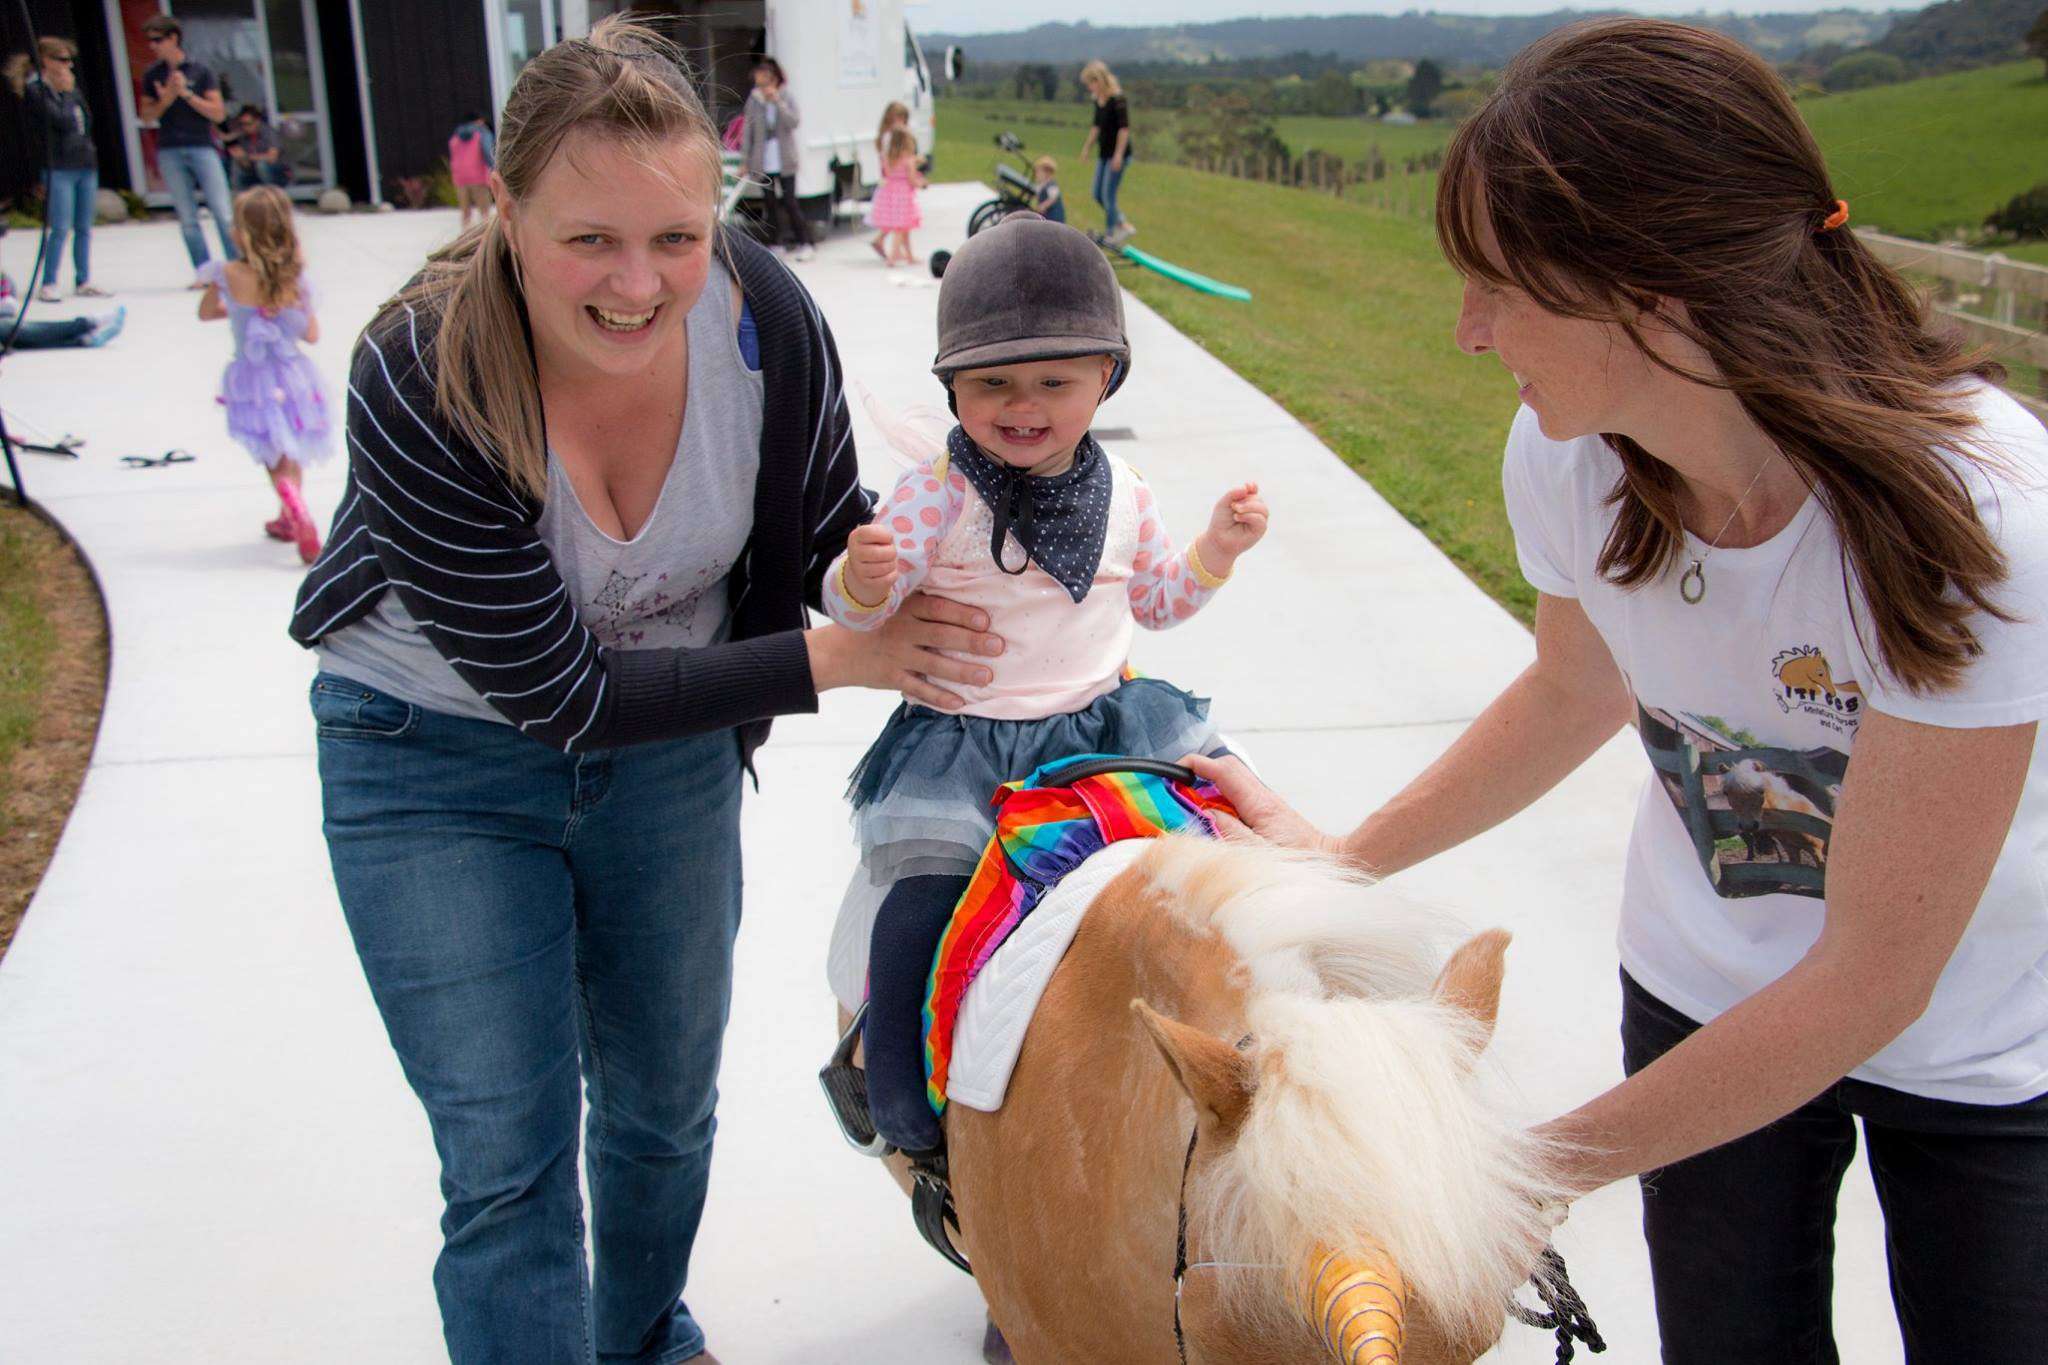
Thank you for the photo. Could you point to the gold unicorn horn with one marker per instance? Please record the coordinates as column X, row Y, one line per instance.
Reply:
column 1357, row 1304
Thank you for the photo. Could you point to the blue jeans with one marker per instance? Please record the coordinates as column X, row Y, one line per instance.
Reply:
column 1106, row 182
column 528, row 919
column 250, row 174
column 1742, row 1237
column 190, row 172
column 44, row 336
column 68, row 209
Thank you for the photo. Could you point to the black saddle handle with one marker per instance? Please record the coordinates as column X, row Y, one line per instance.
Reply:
column 1096, row 767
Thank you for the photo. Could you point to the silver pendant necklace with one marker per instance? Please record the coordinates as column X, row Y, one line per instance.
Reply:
column 1692, row 584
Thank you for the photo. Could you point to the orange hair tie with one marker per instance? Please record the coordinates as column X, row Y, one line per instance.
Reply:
column 1837, row 218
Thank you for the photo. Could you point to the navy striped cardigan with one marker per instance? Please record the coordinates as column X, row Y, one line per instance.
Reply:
column 429, row 516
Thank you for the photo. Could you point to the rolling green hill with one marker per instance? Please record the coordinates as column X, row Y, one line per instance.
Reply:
column 1928, row 157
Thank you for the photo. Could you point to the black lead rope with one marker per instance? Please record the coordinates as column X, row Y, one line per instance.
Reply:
column 1565, row 1312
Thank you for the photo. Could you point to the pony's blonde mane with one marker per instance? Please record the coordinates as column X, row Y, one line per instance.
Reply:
column 1372, row 1123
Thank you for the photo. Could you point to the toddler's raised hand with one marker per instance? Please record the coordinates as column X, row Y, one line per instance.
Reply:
column 1234, row 527
column 870, row 564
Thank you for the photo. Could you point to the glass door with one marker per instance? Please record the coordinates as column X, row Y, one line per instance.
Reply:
column 516, row 32
column 298, row 92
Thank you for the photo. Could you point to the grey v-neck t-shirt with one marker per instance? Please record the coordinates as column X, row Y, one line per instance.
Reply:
column 667, row 587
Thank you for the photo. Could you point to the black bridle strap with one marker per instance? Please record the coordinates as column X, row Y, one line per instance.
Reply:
column 1180, row 1244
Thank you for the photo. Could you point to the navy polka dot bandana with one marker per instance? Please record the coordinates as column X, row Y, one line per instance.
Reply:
column 1060, row 521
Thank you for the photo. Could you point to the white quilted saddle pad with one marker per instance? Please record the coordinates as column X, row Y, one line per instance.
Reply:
column 990, row 1030
column 993, row 1018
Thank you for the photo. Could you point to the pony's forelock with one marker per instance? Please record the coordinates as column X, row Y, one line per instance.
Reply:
column 1374, row 1122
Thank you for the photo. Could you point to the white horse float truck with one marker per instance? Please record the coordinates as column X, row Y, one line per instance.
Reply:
column 845, row 60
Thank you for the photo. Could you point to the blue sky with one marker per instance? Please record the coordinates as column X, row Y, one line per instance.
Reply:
column 1005, row 16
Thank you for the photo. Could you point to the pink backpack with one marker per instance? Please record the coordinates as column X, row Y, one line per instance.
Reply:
column 734, row 132
column 466, row 160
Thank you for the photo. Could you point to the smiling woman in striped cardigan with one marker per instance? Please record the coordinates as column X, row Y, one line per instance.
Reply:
column 598, row 462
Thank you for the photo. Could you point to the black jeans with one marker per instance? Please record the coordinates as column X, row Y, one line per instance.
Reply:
column 907, row 930
column 1742, row 1237
column 782, row 204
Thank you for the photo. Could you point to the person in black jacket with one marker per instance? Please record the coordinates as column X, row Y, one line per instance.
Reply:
column 63, row 138
column 564, row 593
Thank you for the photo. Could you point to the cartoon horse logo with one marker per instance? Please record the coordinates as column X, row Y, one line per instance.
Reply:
column 1806, row 677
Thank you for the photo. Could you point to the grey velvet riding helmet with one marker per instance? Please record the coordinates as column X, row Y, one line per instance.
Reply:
column 1029, row 289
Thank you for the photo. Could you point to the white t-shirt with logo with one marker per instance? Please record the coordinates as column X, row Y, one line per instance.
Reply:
column 1748, row 703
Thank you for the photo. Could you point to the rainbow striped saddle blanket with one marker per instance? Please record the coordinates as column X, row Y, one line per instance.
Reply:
column 1047, row 825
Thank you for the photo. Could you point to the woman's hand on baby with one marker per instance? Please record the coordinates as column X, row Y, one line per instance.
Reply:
column 870, row 564
column 904, row 653
column 1236, row 525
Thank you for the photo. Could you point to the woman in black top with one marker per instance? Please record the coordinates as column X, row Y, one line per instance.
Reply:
column 551, row 644
column 63, row 139
column 1110, row 135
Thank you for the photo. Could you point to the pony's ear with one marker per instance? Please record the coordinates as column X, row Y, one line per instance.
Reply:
column 1470, row 981
column 1216, row 1076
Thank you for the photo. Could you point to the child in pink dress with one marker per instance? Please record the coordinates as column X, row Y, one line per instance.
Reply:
column 1026, row 517
column 895, row 205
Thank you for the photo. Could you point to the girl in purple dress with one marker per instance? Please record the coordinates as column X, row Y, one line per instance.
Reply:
column 271, row 391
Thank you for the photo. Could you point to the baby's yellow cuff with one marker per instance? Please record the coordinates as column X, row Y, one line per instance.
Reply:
column 1202, row 574
column 846, row 592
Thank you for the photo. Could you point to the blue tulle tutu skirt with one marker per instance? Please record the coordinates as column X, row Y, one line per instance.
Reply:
column 921, row 795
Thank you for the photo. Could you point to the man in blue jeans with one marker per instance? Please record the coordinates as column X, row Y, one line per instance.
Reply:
column 185, row 100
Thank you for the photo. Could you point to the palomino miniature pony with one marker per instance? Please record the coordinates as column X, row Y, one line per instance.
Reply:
column 1249, row 1055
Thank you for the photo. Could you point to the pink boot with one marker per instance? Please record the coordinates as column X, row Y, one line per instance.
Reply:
column 303, row 530
column 280, row 527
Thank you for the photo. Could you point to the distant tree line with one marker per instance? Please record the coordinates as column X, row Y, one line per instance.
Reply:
column 1272, row 87
column 1951, row 36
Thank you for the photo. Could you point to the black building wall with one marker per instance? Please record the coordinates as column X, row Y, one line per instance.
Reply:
column 429, row 65
column 344, row 101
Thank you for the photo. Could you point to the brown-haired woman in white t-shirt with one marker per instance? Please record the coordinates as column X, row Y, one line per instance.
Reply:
column 1775, row 519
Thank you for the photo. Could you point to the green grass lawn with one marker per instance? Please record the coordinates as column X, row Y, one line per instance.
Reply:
column 1353, row 138
column 1350, row 329
column 26, row 638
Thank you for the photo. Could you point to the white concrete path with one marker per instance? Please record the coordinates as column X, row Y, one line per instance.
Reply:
column 207, row 1152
